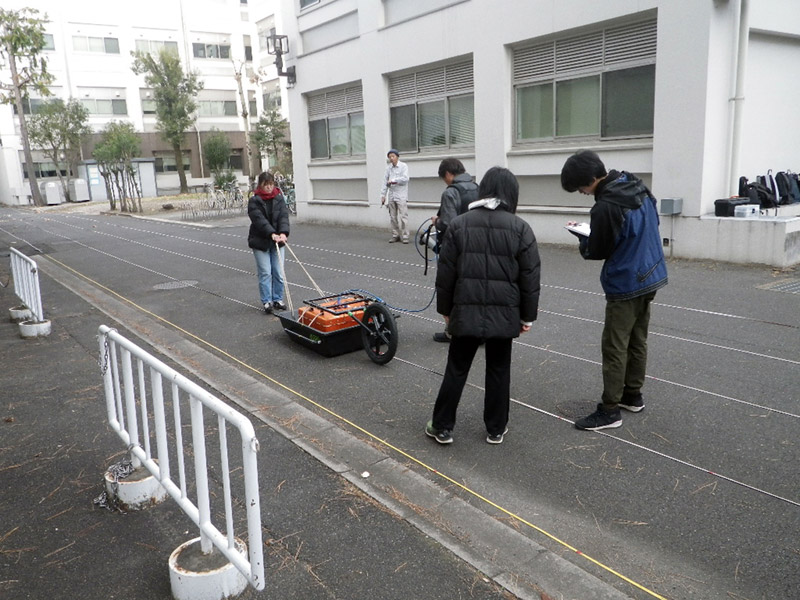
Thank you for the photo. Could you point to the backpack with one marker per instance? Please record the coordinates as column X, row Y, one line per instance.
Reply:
column 760, row 194
column 788, row 188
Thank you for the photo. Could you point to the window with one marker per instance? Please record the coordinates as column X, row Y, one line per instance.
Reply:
column 211, row 50
column 336, row 123
column 155, row 47
column 30, row 105
column 107, row 45
column 148, row 106
column 165, row 162
column 248, row 48
column 599, row 85
column 235, row 160
column 272, row 99
column 49, row 42
column 305, row 3
column 43, row 170
column 98, row 106
column 217, row 108
column 433, row 109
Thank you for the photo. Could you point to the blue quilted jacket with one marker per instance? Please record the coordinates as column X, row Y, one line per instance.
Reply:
column 624, row 233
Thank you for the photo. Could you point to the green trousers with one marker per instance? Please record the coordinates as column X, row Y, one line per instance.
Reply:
column 624, row 347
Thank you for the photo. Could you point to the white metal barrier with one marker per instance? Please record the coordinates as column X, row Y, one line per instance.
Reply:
column 26, row 283
column 121, row 362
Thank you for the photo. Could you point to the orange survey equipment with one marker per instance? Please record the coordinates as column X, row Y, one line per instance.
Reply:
column 345, row 322
column 333, row 313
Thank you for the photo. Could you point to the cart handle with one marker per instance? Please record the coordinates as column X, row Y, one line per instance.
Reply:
column 308, row 339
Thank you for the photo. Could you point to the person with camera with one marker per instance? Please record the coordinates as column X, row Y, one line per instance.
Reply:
column 460, row 191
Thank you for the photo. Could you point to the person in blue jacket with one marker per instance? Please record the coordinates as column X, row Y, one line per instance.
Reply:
column 624, row 233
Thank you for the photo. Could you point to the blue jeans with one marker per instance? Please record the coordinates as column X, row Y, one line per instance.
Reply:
column 269, row 268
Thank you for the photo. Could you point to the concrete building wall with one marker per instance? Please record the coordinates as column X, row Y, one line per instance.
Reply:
column 692, row 153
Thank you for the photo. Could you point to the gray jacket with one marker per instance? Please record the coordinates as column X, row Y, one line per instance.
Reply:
column 455, row 201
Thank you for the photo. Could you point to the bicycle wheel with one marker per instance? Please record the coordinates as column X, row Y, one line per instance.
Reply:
column 379, row 334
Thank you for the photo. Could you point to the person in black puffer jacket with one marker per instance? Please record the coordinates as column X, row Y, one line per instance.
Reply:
column 487, row 287
column 269, row 229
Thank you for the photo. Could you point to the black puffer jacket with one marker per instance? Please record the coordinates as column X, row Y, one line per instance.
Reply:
column 266, row 217
column 488, row 276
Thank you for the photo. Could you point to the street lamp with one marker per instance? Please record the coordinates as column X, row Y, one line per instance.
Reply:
column 278, row 45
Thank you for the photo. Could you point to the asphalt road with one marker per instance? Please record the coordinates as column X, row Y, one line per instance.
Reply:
column 698, row 496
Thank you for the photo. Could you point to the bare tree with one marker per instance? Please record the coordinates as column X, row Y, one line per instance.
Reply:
column 238, row 67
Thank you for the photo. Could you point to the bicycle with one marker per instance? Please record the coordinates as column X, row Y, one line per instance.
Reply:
column 291, row 202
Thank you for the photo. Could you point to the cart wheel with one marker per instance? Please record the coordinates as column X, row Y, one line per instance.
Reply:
column 379, row 334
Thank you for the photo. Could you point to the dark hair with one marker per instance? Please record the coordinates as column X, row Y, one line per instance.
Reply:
column 265, row 177
column 581, row 169
column 500, row 183
column 452, row 166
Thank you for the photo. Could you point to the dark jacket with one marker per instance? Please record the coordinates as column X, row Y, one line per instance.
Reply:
column 624, row 233
column 266, row 217
column 455, row 201
column 488, row 276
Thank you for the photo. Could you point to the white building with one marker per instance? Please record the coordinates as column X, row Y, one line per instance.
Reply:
column 688, row 94
column 89, row 47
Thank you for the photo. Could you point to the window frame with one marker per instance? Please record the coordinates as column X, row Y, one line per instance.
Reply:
column 593, row 55
column 105, row 40
column 205, row 48
column 342, row 103
column 430, row 86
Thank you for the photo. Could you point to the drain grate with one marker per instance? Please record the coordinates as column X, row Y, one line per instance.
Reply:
column 174, row 285
column 790, row 286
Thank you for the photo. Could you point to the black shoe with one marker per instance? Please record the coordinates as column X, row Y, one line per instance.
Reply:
column 443, row 436
column 441, row 336
column 633, row 403
column 278, row 305
column 268, row 308
column 496, row 438
column 393, row 240
column 599, row 419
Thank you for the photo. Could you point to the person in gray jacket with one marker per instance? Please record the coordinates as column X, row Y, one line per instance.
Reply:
column 461, row 190
column 487, row 287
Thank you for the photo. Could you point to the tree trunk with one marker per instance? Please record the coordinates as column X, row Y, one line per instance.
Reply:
column 23, row 131
column 251, row 172
column 179, row 164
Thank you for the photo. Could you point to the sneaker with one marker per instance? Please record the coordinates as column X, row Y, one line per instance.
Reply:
column 393, row 240
column 441, row 336
column 599, row 419
column 405, row 240
column 443, row 436
column 278, row 305
column 268, row 308
column 633, row 403
column 496, row 438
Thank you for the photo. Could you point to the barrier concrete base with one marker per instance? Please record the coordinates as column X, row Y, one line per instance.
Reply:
column 19, row 313
column 137, row 491
column 197, row 576
column 34, row 329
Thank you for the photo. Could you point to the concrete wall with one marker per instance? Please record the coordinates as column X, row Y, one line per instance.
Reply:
column 689, row 156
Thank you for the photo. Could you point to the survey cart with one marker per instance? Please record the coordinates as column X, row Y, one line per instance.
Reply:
column 345, row 322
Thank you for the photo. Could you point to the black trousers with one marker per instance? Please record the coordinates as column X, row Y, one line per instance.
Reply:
column 497, row 383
